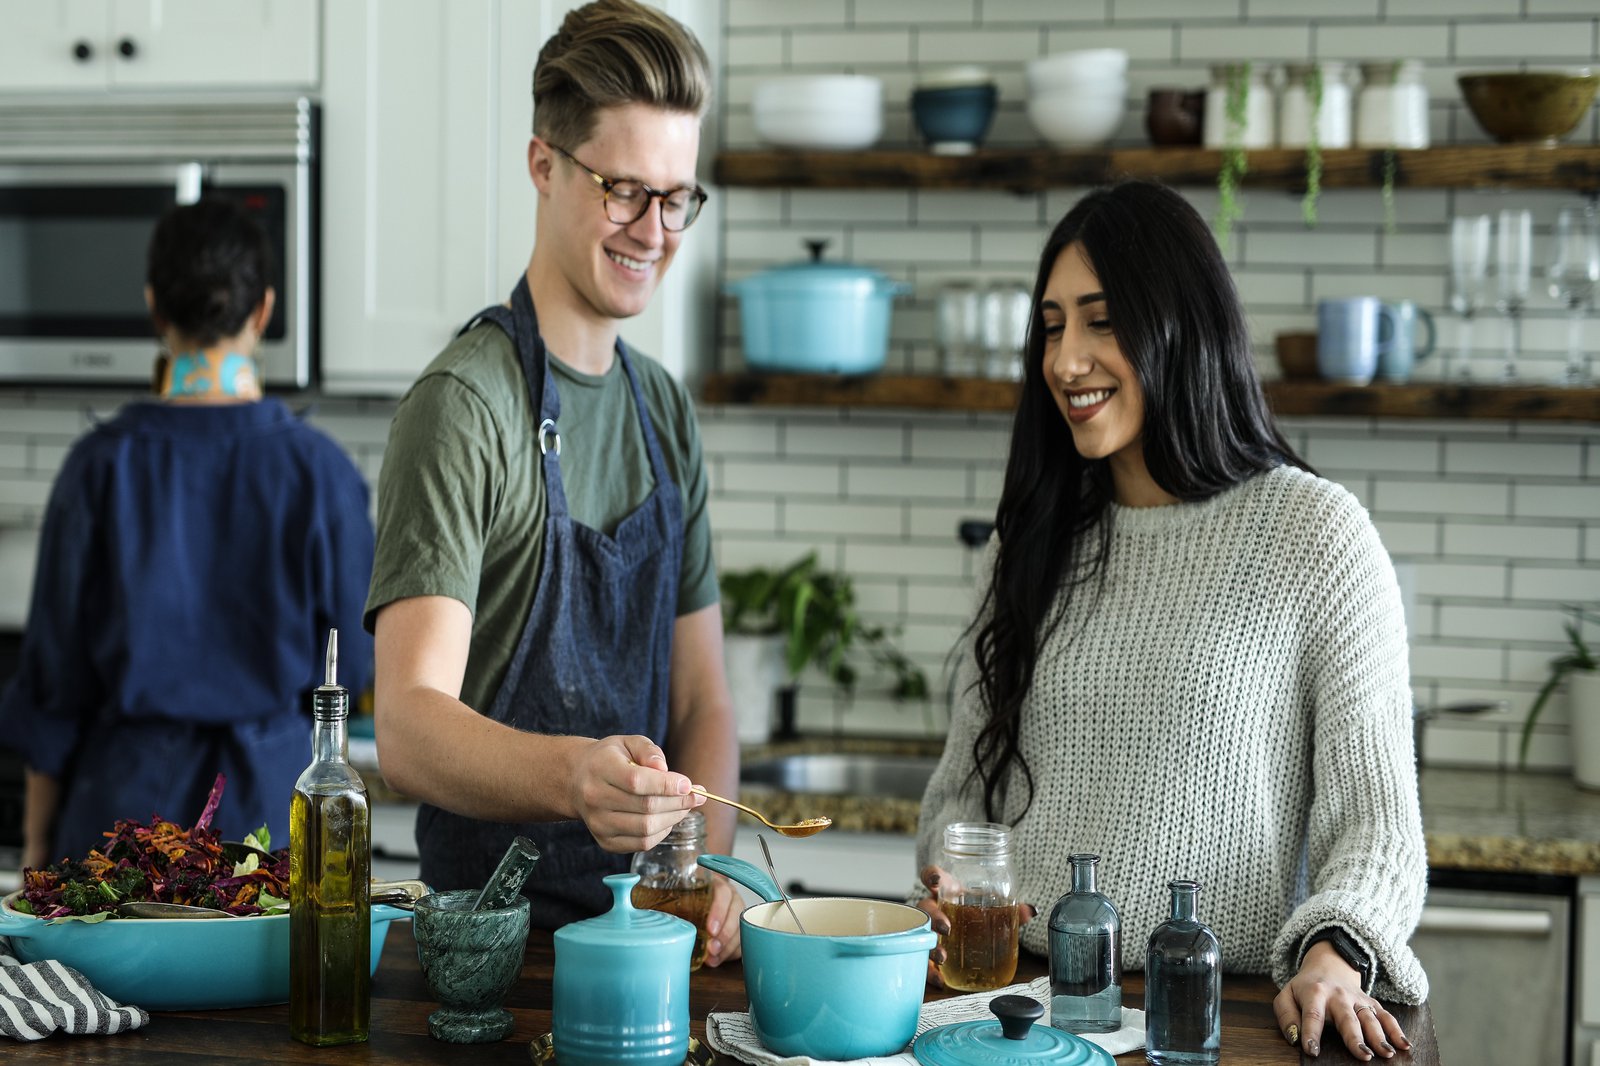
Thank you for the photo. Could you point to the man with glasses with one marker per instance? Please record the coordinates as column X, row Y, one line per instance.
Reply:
column 544, row 601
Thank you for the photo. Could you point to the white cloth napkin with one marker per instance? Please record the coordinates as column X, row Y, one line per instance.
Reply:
column 37, row 998
column 734, row 1033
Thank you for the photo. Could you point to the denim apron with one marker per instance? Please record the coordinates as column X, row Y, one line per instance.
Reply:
column 593, row 658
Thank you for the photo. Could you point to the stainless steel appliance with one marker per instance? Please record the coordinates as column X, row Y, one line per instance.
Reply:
column 81, row 186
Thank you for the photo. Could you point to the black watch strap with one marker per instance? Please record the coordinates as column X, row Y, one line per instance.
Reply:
column 1349, row 950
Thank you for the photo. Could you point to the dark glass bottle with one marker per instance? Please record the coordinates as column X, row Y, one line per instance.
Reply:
column 1183, row 987
column 1085, row 956
column 330, row 864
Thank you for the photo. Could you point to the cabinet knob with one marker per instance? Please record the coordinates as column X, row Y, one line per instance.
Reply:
column 126, row 48
column 82, row 52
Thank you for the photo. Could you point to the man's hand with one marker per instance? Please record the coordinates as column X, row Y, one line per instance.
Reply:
column 625, row 794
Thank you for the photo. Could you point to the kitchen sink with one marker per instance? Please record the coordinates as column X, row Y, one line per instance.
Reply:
column 893, row 776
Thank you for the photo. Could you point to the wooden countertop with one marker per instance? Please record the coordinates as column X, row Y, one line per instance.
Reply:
column 401, row 1004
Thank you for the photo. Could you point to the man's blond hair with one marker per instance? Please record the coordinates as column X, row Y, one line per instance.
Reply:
column 614, row 52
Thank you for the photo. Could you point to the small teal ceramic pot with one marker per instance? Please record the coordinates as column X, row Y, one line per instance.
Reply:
column 850, row 987
column 622, row 986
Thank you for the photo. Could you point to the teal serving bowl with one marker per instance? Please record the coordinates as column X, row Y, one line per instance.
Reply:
column 849, row 987
column 175, row 963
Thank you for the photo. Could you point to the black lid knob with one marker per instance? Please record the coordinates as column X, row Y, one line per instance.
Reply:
column 82, row 52
column 1017, row 1015
column 816, row 248
column 127, row 48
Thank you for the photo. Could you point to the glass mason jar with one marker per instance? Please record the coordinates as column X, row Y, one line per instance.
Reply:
column 978, row 896
column 1085, row 956
column 1257, row 126
column 1392, row 108
column 1295, row 111
column 672, row 880
column 1183, row 987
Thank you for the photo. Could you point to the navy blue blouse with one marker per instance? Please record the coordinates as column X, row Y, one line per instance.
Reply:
column 191, row 563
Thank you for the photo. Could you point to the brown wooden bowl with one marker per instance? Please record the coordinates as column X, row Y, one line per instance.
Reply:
column 1297, row 355
column 1538, row 106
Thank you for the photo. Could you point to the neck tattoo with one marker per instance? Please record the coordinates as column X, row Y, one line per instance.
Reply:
column 213, row 375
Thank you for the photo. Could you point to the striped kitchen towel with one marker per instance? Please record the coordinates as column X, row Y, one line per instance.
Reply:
column 37, row 998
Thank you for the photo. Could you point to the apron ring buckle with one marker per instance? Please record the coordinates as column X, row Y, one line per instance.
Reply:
column 547, row 430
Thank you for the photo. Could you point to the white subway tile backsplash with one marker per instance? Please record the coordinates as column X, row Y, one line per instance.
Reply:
column 757, row 51
column 1556, row 584
column 1559, row 7
column 1580, row 500
column 924, row 244
column 1522, row 458
column 844, row 441
column 1420, row 457
column 1229, row 44
column 738, row 436
column 1441, row 497
column 1487, row 581
column 1074, row 11
column 1174, row 10
column 912, row 560
column 1318, row 9
column 882, row 520
column 905, row 481
column 986, row 444
column 849, row 205
column 14, row 456
column 929, row 12
column 24, row 494
column 941, row 599
column 1481, row 662
column 784, row 13
column 1143, row 44
column 941, row 45
column 1493, row 623
column 860, row 50
column 731, row 515
column 1383, row 40
column 1530, row 40
column 810, row 478
column 1017, row 249
column 940, row 207
column 1408, row 538
column 1511, row 541
column 1456, row 745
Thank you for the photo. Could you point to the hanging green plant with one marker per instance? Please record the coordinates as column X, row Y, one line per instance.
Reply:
column 1234, row 160
column 1389, row 165
column 1308, row 203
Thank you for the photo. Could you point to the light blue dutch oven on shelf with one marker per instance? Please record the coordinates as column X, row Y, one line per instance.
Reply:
column 175, row 963
column 851, row 986
column 816, row 316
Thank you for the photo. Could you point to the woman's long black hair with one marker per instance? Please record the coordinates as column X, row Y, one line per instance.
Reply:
column 1176, row 315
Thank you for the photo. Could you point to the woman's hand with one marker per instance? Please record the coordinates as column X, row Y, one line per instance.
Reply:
column 1327, row 989
column 931, row 875
column 722, row 927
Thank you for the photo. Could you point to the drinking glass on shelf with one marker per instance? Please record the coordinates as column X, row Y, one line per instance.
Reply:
column 1469, row 265
column 958, row 329
column 1574, row 275
column 1513, row 269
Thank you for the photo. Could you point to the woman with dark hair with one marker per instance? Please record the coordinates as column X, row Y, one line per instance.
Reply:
column 1189, row 654
column 196, row 549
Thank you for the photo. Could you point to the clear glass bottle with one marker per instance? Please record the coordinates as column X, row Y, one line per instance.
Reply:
column 330, row 874
column 1183, row 987
column 672, row 880
column 978, row 896
column 1085, row 956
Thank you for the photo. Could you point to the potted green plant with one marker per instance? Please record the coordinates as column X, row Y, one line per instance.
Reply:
column 777, row 622
column 1580, row 668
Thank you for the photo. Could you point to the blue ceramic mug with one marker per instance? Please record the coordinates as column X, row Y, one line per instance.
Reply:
column 1351, row 335
column 1395, row 363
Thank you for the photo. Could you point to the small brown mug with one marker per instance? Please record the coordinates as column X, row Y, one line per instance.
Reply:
column 1297, row 355
column 1175, row 116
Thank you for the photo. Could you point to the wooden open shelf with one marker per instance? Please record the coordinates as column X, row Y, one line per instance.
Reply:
column 915, row 392
column 1478, row 166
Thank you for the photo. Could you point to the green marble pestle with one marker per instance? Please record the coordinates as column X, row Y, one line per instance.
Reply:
column 516, row 866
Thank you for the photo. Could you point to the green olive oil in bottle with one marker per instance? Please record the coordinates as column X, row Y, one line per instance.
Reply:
column 330, row 861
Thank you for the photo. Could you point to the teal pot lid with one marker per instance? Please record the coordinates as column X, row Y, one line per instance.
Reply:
column 817, row 275
column 1009, row 1039
column 625, row 925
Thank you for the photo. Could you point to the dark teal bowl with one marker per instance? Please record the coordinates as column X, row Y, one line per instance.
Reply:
column 955, row 115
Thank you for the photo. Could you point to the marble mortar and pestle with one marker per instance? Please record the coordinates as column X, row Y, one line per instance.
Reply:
column 470, row 944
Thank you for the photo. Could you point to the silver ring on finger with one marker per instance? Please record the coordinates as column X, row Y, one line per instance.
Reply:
column 1367, row 1006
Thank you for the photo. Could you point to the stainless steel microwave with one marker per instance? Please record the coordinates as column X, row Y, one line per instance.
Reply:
column 81, row 187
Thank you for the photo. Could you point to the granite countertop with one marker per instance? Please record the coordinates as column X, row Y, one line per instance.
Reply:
column 1489, row 820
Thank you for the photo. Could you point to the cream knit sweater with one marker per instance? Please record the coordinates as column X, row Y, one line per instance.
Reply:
column 1235, row 708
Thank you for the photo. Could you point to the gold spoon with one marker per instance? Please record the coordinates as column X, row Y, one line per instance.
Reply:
column 809, row 827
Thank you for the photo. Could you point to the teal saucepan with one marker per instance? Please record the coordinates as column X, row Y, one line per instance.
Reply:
column 175, row 963
column 851, row 986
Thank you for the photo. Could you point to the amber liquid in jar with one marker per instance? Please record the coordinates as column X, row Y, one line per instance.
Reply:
column 981, row 947
column 692, row 903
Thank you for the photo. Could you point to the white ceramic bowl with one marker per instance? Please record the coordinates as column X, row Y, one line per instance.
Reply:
column 830, row 111
column 1076, row 121
column 1087, row 64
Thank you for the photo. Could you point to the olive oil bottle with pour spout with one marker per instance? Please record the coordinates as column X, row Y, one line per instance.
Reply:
column 330, row 861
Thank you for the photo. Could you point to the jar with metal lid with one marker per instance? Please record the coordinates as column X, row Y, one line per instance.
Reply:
column 1255, row 126
column 977, row 892
column 671, row 880
column 1314, row 93
column 1392, row 107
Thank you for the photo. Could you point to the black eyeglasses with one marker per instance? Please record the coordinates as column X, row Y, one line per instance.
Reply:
column 627, row 200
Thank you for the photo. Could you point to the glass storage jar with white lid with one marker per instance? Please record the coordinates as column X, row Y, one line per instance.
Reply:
column 1256, row 125
column 1301, row 106
column 1392, row 107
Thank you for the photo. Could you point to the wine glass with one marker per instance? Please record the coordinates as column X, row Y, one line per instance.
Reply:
column 1574, row 273
column 1513, row 268
column 1469, row 265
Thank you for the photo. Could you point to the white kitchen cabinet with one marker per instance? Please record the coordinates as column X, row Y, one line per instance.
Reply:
column 428, row 210
column 119, row 45
column 1586, row 996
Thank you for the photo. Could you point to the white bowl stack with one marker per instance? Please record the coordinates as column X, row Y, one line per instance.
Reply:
column 835, row 112
column 1077, row 99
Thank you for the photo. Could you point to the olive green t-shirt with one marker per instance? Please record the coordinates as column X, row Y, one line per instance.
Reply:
column 461, row 500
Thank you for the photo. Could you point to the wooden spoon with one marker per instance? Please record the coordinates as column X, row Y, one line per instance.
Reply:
column 809, row 827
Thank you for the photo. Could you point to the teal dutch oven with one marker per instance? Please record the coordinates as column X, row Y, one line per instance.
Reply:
column 175, row 963
column 816, row 316
column 849, row 987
